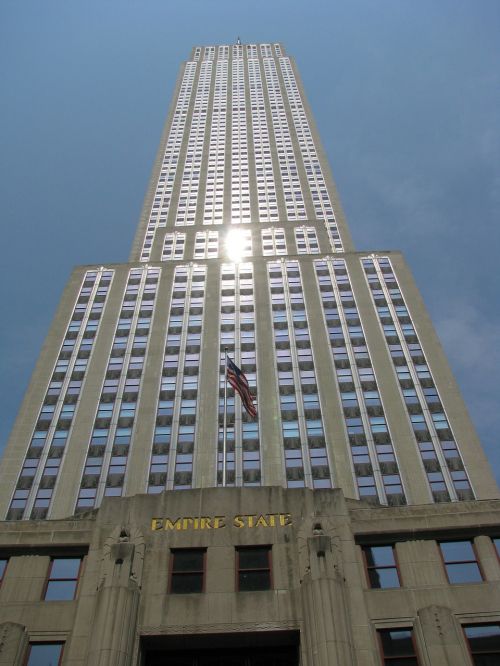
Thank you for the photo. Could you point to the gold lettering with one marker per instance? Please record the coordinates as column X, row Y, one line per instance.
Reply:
column 219, row 522
column 238, row 521
column 175, row 525
column 272, row 519
column 285, row 519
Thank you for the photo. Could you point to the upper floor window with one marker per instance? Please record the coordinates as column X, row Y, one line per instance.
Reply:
column 381, row 566
column 187, row 573
column 460, row 562
column 397, row 647
column 484, row 643
column 253, row 568
column 62, row 580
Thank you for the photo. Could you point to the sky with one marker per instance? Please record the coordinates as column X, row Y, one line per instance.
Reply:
column 406, row 96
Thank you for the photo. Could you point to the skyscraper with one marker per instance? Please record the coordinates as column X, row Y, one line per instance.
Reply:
column 242, row 248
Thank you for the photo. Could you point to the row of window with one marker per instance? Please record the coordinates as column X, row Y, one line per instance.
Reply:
column 253, row 572
column 237, row 339
column 62, row 577
column 237, row 50
column 111, row 435
column 305, row 455
column 206, row 244
column 374, row 460
column 172, row 456
column 253, row 569
column 459, row 558
column 38, row 477
column 438, row 449
column 397, row 647
column 164, row 188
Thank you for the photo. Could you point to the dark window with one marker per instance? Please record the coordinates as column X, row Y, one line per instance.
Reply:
column 187, row 572
column 484, row 643
column 460, row 562
column 496, row 543
column 381, row 566
column 397, row 646
column 253, row 566
column 63, row 578
column 44, row 654
column 3, row 566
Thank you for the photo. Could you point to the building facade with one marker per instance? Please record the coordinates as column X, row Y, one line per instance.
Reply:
column 359, row 519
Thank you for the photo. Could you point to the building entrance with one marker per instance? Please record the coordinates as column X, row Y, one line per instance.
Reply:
column 275, row 648
column 246, row 657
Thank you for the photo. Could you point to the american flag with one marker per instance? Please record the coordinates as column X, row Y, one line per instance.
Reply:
column 239, row 383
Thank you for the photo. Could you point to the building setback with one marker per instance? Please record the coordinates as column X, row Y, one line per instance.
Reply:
column 359, row 519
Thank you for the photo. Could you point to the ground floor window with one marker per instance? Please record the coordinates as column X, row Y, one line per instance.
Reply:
column 397, row 647
column 484, row 643
column 44, row 654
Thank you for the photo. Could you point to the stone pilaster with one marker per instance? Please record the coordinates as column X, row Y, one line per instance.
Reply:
column 327, row 634
column 115, row 619
column 442, row 637
column 13, row 644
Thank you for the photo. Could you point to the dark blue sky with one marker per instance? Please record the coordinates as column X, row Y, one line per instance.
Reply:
column 406, row 98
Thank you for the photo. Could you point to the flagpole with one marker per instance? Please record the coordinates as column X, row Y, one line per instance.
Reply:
column 224, row 428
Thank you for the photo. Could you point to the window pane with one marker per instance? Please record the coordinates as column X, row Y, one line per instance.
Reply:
column 484, row 643
column 60, row 590
column 186, row 583
column 188, row 560
column 467, row 572
column 65, row 567
column 254, row 558
column 457, row 551
column 254, row 580
column 381, row 578
column 460, row 562
column 47, row 654
column 187, row 571
column 381, row 566
column 379, row 556
column 397, row 643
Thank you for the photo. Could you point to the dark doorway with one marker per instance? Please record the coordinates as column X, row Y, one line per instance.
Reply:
column 259, row 649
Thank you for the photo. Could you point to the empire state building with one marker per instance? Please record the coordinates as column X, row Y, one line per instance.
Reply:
column 131, row 454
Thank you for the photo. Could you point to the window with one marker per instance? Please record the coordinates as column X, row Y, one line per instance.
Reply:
column 460, row 562
column 397, row 647
column 496, row 543
column 187, row 571
column 63, row 578
column 484, row 643
column 381, row 566
column 45, row 654
column 253, row 565
column 3, row 566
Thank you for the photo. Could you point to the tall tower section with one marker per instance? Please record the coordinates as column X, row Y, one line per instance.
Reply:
column 241, row 245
